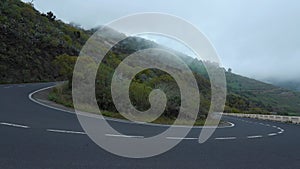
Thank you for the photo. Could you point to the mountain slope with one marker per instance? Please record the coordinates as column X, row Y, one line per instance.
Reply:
column 253, row 96
column 289, row 84
column 272, row 98
column 30, row 41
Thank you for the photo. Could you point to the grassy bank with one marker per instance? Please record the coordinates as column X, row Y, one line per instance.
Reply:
column 63, row 97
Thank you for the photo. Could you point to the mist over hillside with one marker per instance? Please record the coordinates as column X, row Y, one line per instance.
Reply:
column 286, row 84
column 34, row 46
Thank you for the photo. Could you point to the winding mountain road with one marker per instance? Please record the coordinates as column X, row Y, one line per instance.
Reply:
column 33, row 136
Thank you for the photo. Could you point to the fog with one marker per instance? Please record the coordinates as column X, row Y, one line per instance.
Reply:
column 256, row 38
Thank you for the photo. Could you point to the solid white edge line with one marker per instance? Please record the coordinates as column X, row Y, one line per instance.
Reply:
column 124, row 136
column 65, row 131
column 112, row 119
column 14, row 125
column 51, row 107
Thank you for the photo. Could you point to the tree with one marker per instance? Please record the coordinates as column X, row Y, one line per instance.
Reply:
column 31, row 3
column 65, row 63
column 50, row 16
column 230, row 70
column 77, row 34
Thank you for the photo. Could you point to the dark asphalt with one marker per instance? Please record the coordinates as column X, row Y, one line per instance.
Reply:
column 37, row 148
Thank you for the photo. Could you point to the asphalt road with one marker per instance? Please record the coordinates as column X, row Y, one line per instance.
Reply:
column 37, row 137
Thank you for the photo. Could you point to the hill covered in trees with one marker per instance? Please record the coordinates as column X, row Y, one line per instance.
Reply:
column 245, row 95
column 31, row 40
column 37, row 47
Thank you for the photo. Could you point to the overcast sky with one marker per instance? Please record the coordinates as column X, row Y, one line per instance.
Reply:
column 256, row 38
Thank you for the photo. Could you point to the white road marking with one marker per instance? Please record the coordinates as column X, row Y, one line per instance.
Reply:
column 114, row 119
column 14, row 125
column 280, row 129
column 140, row 122
column 251, row 137
column 264, row 124
column 65, row 131
column 124, row 136
column 272, row 134
column 181, row 138
column 7, row 87
column 231, row 124
column 225, row 138
column 127, row 136
column 40, row 103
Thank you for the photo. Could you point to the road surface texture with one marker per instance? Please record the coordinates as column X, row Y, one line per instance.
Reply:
column 37, row 137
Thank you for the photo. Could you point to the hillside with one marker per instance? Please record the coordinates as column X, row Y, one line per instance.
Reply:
column 272, row 98
column 289, row 84
column 31, row 40
column 37, row 47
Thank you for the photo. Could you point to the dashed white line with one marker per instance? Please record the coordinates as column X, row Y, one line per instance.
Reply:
column 280, row 129
column 272, row 134
column 65, row 131
column 124, row 136
column 127, row 136
column 231, row 124
column 252, row 137
column 114, row 119
column 182, row 138
column 14, row 125
column 264, row 124
column 225, row 138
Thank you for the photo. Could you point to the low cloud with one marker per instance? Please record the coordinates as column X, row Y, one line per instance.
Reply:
column 259, row 39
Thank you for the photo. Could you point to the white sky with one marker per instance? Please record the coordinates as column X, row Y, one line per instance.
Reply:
column 256, row 38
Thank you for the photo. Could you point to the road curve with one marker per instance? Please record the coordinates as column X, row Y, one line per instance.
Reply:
column 37, row 137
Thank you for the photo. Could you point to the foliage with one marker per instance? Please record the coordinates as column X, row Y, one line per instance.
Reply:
column 38, row 47
column 244, row 95
column 30, row 41
column 51, row 16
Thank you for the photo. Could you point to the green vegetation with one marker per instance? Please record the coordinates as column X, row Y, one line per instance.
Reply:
column 30, row 41
column 264, row 96
column 38, row 47
column 62, row 95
